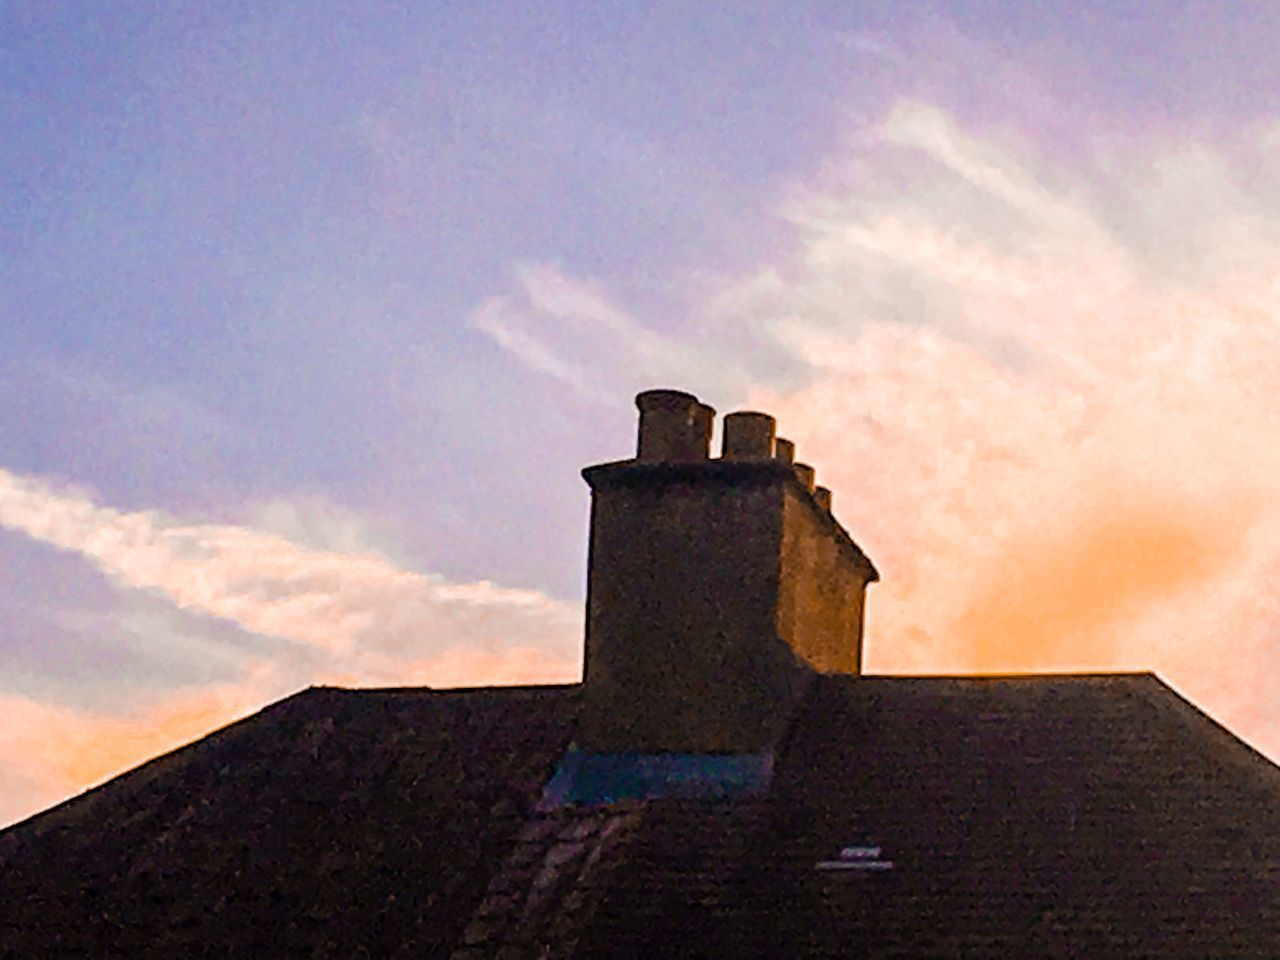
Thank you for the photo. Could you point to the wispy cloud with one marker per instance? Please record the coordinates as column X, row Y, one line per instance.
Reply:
column 564, row 327
column 508, row 327
column 1044, row 395
column 338, row 617
column 348, row 604
column 865, row 43
column 1061, row 452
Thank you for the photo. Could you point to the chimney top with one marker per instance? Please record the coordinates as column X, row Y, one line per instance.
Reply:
column 674, row 427
column 823, row 497
column 806, row 475
column 675, row 435
column 663, row 399
column 748, row 436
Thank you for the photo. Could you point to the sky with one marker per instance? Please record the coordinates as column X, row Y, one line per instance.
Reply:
column 311, row 313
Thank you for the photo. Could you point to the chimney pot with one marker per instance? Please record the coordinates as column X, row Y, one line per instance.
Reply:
column 806, row 476
column 674, row 426
column 748, row 436
column 823, row 497
column 784, row 450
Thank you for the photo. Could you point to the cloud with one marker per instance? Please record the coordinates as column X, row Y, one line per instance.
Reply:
column 1042, row 390
column 355, row 605
column 565, row 328
column 865, row 43
column 49, row 751
column 466, row 666
column 316, row 523
column 325, row 616
column 503, row 322
column 1044, row 398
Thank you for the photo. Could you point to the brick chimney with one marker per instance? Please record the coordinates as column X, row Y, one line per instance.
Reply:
column 715, row 586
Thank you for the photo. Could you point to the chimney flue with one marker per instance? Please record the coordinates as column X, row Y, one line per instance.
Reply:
column 674, row 427
column 748, row 436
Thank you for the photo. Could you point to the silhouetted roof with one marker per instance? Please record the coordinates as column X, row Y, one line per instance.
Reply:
column 333, row 823
column 1083, row 816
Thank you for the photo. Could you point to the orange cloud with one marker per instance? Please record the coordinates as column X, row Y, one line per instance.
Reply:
column 1045, row 404
column 469, row 667
column 1061, row 599
column 1045, row 398
column 56, row 751
column 340, row 616
column 50, row 752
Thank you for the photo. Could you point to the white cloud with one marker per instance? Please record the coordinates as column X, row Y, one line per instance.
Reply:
column 876, row 46
column 1061, row 453
column 312, row 521
column 565, row 328
column 356, row 605
column 501, row 320
column 329, row 616
column 1044, row 396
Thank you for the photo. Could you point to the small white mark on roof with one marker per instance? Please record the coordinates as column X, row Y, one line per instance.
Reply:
column 863, row 858
column 860, row 853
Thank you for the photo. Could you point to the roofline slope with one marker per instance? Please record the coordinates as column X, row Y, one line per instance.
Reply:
column 1145, row 684
column 164, row 763
column 160, row 763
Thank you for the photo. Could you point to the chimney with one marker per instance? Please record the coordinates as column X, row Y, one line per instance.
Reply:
column 715, row 587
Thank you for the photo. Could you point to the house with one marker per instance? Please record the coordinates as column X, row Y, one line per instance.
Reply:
column 724, row 782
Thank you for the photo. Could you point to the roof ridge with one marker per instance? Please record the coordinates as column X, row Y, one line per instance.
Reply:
column 1047, row 675
column 499, row 689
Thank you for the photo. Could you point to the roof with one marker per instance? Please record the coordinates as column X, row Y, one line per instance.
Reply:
column 1092, row 816
column 330, row 823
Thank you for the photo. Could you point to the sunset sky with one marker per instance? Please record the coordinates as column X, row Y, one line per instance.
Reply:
column 310, row 313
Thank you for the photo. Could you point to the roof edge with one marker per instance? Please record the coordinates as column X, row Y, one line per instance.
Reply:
column 1165, row 697
column 1014, row 675
column 150, row 765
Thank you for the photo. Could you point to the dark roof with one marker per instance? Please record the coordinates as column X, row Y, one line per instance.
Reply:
column 1097, row 816
column 333, row 823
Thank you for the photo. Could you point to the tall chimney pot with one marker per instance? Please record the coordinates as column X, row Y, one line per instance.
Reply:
column 674, row 427
column 748, row 436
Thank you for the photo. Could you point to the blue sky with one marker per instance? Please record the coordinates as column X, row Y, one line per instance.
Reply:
column 311, row 313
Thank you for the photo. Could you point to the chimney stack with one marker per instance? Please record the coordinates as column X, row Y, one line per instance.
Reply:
column 715, row 586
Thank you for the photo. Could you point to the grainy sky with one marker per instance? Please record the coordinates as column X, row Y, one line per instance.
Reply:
column 311, row 312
